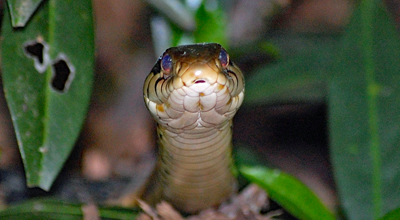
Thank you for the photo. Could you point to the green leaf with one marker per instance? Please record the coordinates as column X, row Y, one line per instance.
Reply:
column 299, row 76
column 47, row 76
column 393, row 215
column 48, row 209
column 211, row 24
column 364, row 114
column 22, row 10
column 290, row 193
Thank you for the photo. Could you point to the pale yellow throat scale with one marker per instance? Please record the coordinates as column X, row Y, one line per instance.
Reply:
column 193, row 92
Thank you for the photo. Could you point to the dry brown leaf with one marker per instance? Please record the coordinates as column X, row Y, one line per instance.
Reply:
column 244, row 206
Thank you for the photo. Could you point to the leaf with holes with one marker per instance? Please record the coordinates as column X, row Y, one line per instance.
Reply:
column 47, row 77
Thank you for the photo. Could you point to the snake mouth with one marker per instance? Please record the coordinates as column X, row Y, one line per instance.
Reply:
column 199, row 81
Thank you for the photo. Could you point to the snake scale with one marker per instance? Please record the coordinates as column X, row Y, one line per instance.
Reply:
column 193, row 92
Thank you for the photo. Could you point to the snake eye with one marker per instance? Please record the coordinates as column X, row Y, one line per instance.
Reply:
column 224, row 58
column 166, row 64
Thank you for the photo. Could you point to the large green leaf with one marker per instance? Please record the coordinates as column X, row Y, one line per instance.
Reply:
column 22, row 10
column 290, row 193
column 47, row 74
column 364, row 114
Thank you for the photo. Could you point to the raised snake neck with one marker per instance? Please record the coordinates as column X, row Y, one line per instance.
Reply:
column 193, row 92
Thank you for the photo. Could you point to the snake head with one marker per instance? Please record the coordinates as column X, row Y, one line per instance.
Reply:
column 194, row 85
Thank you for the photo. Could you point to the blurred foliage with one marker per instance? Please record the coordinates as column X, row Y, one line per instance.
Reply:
column 393, row 215
column 210, row 17
column 298, row 76
column 209, row 24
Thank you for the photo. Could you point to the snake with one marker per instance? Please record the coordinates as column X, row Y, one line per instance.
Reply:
column 193, row 92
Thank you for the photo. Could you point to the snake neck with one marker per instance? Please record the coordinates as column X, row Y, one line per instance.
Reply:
column 194, row 169
column 193, row 92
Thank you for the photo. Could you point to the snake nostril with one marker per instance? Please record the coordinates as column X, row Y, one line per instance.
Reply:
column 199, row 81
